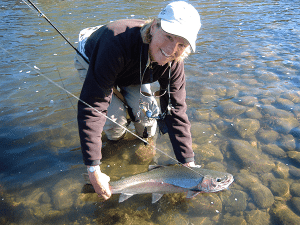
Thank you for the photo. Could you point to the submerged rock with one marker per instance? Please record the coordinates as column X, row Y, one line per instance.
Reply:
column 280, row 187
column 251, row 157
column 295, row 189
column 296, row 203
column 281, row 170
column 253, row 113
column 284, row 103
column 230, row 108
column 209, row 152
column 257, row 217
column 234, row 201
column 284, row 214
column 287, row 142
column 273, row 150
column 294, row 155
column 229, row 220
column 294, row 171
column 267, row 136
column 248, row 101
column 262, row 196
column 246, row 128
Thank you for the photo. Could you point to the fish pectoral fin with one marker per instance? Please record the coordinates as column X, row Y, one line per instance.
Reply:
column 192, row 194
column 156, row 197
column 124, row 197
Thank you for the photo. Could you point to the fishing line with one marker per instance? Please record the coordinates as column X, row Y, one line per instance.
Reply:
column 78, row 52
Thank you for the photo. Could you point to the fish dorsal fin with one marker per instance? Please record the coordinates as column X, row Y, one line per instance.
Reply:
column 124, row 197
column 156, row 197
column 192, row 194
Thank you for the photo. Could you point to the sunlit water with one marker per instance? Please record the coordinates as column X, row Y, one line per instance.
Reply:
column 244, row 105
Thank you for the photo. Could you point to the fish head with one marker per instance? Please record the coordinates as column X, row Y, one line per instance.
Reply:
column 217, row 183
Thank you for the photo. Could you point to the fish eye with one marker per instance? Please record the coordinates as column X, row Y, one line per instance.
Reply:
column 218, row 179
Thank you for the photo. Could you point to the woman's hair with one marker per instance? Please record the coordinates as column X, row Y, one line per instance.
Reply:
column 147, row 37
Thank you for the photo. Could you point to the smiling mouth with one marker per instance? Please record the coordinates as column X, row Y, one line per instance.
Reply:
column 165, row 54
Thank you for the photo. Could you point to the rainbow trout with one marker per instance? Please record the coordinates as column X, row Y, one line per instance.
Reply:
column 160, row 180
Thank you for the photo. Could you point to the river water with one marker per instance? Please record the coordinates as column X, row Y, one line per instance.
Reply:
column 243, row 100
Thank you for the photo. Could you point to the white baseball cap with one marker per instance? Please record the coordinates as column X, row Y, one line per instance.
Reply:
column 181, row 19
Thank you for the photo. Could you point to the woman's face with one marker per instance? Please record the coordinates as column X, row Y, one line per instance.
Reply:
column 165, row 47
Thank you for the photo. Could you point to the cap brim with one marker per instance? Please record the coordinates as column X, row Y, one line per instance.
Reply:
column 179, row 30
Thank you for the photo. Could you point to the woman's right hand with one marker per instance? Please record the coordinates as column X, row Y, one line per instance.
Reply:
column 100, row 182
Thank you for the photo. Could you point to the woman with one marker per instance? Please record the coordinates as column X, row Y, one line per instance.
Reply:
column 131, row 54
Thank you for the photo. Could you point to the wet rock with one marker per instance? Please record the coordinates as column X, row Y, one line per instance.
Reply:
column 284, row 214
column 287, row 142
column 281, row 170
column 230, row 108
column 253, row 113
column 205, row 204
column 207, row 91
column 275, row 113
column 248, row 101
column 209, row 152
column 267, row 101
column 250, row 157
column 246, row 128
column 267, row 136
column 280, row 187
column 294, row 171
column 215, row 166
column 296, row 203
column 205, row 99
column 145, row 153
column 262, row 196
column 285, row 125
column 201, row 133
column 229, row 220
column 295, row 189
column 273, row 150
column 232, row 92
column 269, row 76
column 221, row 91
column 246, row 180
column 295, row 132
column 64, row 193
column 205, row 115
column 295, row 98
column 266, row 178
column 294, row 155
column 234, row 200
column 284, row 104
column 257, row 217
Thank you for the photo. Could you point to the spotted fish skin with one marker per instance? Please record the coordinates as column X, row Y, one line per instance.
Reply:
column 171, row 179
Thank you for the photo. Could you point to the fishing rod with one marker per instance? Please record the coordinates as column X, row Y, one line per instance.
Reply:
column 41, row 14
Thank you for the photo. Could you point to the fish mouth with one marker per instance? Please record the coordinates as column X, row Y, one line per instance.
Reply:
column 165, row 54
column 224, row 185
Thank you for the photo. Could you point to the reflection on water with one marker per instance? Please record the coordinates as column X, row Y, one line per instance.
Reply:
column 243, row 96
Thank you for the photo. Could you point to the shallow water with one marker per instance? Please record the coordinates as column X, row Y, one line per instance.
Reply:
column 243, row 100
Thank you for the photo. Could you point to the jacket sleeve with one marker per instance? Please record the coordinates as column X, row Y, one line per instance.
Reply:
column 95, row 97
column 178, row 123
